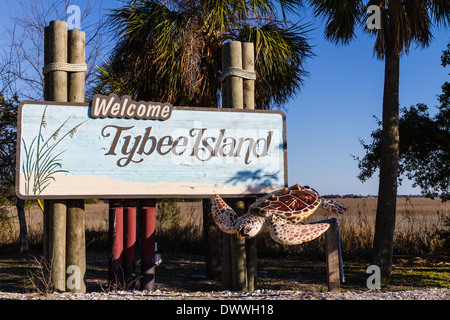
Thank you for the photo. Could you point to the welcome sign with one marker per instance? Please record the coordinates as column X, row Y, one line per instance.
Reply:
column 120, row 148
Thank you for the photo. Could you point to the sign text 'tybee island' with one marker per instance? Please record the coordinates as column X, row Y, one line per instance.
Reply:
column 134, row 149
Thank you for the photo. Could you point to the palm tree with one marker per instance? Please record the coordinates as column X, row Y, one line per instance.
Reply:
column 171, row 50
column 402, row 23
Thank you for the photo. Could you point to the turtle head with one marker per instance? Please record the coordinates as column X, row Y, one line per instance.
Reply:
column 249, row 226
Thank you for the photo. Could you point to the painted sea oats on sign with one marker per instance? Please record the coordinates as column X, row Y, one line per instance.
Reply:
column 41, row 162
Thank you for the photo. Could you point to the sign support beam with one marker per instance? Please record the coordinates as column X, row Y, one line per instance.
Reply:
column 148, row 244
column 62, row 47
column 56, row 90
column 76, row 246
column 239, row 93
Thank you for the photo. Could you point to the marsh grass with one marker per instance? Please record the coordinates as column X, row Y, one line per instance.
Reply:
column 422, row 227
column 179, row 226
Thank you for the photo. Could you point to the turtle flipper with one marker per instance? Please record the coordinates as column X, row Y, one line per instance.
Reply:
column 284, row 232
column 224, row 216
column 333, row 206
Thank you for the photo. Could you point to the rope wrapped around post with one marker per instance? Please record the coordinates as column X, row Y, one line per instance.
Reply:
column 64, row 66
column 238, row 72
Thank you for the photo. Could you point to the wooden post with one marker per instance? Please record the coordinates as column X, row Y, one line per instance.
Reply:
column 76, row 55
column 46, row 213
column 227, row 278
column 45, row 231
column 248, row 63
column 251, row 254
column 238, row 264
column 129, row 212
column 232, row 58
column 58, row 53
column 239, row 94
column 332, row 254
column 116, row 274
column 56, row 90
column 75, row 243
column 238, row 251
column 213, row 243
column 76, row 251
column 57, row 243
column 46, row 62
column 148, row 245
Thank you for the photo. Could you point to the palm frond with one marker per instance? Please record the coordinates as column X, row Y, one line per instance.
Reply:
column 341, row 16
column 439, row 11
column 280, row 53
column 171, row 50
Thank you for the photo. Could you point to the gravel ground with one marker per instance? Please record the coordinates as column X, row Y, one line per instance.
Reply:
column 425, row 294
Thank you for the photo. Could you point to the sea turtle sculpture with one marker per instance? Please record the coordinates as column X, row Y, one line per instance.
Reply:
column 279, row 213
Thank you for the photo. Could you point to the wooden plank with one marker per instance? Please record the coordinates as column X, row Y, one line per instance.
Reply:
column 332, row 257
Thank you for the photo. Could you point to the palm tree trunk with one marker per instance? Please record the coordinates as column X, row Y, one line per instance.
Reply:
column 387, row 192
column 20, row 206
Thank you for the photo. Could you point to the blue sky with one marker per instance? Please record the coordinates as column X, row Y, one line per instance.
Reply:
column 336, row 105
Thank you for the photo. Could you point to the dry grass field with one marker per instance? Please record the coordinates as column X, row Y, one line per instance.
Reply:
column 421, row 254
column 422, row 227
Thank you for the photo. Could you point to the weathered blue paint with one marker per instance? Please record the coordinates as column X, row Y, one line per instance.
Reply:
column 139, row 156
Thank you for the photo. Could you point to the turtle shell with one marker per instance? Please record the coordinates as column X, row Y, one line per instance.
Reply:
column 295, row 203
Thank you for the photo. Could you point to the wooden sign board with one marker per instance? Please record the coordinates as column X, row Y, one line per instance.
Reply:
column 128, row 149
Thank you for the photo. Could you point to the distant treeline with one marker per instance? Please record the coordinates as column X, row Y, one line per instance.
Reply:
column 356, row 196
